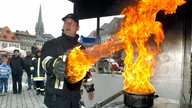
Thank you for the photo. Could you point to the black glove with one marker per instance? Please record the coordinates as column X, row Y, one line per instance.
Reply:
column 59, row 69
column 89, row 88
column 88, row 82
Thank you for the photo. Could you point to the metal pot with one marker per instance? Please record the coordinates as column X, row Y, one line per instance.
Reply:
column 139, row 100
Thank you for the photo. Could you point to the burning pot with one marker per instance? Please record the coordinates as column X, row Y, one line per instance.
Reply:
column 139, row 100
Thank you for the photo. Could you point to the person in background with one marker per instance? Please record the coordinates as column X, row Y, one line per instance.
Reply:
column 60, row 93
column 28, row 63
column 0, row 59
column 17, row 66
column 5, row 71
column 38, row 73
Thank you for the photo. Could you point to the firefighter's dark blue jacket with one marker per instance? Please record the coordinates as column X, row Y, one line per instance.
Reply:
column 69, row 95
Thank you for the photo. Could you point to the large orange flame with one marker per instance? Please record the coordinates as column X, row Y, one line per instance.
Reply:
column 79, row 61
column 140, row 35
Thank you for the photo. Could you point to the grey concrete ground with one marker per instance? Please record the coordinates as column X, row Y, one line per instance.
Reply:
column 106, row 85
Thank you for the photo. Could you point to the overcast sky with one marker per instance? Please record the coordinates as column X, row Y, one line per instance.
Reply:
column 23, row 14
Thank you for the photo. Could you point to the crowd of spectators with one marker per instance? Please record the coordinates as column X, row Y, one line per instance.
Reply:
column 13, row 66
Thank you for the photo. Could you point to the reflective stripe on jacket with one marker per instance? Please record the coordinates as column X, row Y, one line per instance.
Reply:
column 37, row 70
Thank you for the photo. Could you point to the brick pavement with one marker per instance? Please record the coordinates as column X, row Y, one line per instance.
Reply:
column 27, row 99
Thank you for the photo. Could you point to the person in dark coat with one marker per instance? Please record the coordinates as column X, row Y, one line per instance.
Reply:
column 17, row 66
column 38, row 73
column 28, row 63
column 59, row 92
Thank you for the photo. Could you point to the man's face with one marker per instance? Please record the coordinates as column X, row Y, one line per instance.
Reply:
column 38, row 54
column 70, row 27
column 16, row 53
column 28, row 53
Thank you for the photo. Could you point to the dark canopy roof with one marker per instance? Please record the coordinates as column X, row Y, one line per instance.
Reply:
column 100, row 8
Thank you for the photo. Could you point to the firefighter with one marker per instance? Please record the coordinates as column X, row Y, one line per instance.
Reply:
column 38, row 73
column 60, row 93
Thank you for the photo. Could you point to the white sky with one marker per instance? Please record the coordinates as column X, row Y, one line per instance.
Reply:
column 23, row 14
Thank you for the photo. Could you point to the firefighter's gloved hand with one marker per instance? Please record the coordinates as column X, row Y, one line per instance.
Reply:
column 59, row 69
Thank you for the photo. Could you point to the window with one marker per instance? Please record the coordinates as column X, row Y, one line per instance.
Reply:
column 13, row 38
column 4, row 45
column 5, row 36
column 8, row 32
column 17, row 45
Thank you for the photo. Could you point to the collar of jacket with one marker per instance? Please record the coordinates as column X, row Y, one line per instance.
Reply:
column 71, row 38
column 15, row 56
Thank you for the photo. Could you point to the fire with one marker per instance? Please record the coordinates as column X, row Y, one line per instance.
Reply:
column 143, row 35
column 140, row 35
column 77, row 65
column 79, row 61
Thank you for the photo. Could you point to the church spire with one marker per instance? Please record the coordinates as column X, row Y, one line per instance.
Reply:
column 39, row 28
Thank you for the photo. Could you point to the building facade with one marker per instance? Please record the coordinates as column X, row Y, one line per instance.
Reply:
column 26, row 40
column 37, row 41
column 108, row 29
column 41, row 37
column 8, row 38
column 23, row 39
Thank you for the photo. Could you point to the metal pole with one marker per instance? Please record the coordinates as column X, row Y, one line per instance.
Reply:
column 101, row 104
column 97, row 40
column 98, row 31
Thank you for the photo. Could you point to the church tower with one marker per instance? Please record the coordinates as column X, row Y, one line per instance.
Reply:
column 39, row 28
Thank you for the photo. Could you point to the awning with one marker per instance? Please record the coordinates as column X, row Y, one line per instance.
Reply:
column 11, row 49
